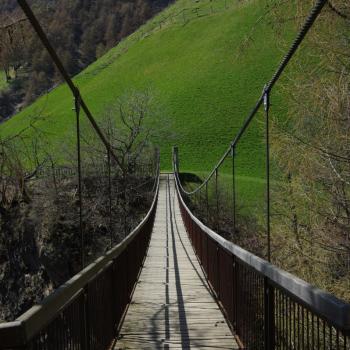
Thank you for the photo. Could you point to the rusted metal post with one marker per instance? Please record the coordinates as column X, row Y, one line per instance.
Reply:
column 110, row 197
column 176, row 158
column 269, row 315
column 77, row 114
column 267, row 141
column 218, row 271
column 207, row 201
column 217, row 199
column 234, row 292
column 233, row 189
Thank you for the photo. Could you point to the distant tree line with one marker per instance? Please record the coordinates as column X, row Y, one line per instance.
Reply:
column 80, row 31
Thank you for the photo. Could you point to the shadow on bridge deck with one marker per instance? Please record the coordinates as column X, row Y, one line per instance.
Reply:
column 172, row 306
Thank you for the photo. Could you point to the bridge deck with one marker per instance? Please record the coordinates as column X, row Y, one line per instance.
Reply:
column 172, row 307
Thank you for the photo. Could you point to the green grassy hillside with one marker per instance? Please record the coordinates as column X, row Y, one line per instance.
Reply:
column 194, row 67
column 3, row 83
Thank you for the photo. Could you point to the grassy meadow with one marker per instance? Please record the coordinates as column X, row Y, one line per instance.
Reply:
column 204, row 80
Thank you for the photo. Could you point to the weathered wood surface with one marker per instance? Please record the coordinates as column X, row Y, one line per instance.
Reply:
column 172, row 307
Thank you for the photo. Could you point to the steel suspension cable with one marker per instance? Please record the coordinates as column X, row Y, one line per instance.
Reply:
column 76, row 93
column 316, row 10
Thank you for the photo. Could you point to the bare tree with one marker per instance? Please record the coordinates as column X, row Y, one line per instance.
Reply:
column 127, row 130
column 20, row 160
column 126, row 124
column 312, row 200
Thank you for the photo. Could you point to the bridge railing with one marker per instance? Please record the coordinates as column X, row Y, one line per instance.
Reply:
column 267, row 308
column 86, row 311
column 236, row 157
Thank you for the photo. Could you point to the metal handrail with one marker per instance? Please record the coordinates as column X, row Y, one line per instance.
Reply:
column 27, row 329
column 316, row 10
column 325, row 305
column 24, row 328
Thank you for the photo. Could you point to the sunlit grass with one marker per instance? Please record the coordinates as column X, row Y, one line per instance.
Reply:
column 203, row 87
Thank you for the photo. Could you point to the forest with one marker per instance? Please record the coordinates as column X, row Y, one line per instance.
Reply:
column 80, row 31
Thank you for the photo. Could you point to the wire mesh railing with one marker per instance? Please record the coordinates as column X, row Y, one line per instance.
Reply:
column 266, row 307
column 85, row 208
column 210, row 190
column 234, row 200
column 86, row 312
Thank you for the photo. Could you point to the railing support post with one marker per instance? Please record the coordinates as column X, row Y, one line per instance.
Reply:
column 176, row 158
column 200, row 202
column 233, row 189
column 267, row 140
column 234, row 292
column 269, row 315
column 218, row 271
column 85, row 338
column 110, row 197
column 77, row 114
column 207, row 201
column 217, row 199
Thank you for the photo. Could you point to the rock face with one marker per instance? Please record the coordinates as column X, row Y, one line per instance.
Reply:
column 40, row 243
column 23, row 280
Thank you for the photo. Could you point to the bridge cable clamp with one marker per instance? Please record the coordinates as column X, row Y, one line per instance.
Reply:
column 266, row 99
column 77, row 100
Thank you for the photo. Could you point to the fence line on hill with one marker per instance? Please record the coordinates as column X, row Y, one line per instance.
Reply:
column 180, row 18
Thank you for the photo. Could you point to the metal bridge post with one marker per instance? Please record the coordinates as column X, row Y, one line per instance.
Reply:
column 110, row 196
column 218, row 272
column 269, row 315
column 267, row 140
column 84, row 331
column 77, row 113
column 176, row 158
column 217, row 199
column 195, row 202
column 234, row 292
column 206, row 200
column 233, row 150
column 200, row 202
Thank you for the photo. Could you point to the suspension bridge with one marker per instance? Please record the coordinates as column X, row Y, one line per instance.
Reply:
column 174, row 283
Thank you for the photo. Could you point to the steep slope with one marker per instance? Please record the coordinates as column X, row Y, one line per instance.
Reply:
column 80, row 31
column 194, row 65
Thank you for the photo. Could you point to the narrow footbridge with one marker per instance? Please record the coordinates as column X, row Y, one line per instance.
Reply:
column 173, row 305
column 173, row 283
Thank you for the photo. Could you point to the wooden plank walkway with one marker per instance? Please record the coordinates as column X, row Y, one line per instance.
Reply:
column 172, row 306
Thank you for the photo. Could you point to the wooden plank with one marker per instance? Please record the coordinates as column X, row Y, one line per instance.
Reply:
column 172, row 306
